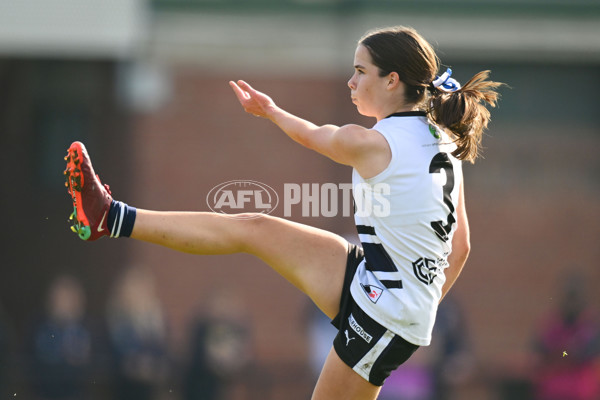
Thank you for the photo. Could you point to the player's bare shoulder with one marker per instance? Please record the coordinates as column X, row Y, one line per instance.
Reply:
column 370, row 150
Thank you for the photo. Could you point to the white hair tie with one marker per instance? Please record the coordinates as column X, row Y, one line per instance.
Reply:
column 446, row 83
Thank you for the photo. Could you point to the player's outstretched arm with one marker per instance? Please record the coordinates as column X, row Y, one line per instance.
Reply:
column 349, row 145
column 300, row 130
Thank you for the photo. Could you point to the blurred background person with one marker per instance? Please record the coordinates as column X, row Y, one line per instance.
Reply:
column 220, row 350
column 442, row 369
column 5, row 351
column 452, row 356
column 138, row 336
column 62, row 344
column 567, row 345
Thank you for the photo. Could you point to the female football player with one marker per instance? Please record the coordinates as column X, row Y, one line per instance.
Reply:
column 382, row 295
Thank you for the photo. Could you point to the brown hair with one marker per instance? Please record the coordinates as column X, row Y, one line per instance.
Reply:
column 463, row 112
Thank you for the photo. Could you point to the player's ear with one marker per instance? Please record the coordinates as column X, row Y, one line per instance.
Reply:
column 393, row 80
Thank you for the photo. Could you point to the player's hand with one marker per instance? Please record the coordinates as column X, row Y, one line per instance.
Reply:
column 253, row 101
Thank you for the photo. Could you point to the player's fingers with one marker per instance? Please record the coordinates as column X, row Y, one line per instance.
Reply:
column 245, row 86
column 241, row 94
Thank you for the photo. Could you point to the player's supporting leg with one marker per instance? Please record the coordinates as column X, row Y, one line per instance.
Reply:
column 312, row 259
column 339, row 382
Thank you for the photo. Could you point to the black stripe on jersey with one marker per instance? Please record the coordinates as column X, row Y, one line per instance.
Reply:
column 377, row 258
column 365, row 230
column 392, row 284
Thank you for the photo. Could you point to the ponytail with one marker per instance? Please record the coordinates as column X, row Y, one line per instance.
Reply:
column 462, row 110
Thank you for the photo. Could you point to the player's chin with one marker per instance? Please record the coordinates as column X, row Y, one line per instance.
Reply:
column 358, row 108
column 363, row 112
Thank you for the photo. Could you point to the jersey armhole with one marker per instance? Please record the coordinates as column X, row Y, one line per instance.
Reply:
column 386, row 171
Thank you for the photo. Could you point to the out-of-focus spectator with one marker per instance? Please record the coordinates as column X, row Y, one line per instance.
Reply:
column 568, row 347
column 138, row 336
column 220, row 350
column 452, row 360
column 436, row 372
column 62, row 348
column 5, row 351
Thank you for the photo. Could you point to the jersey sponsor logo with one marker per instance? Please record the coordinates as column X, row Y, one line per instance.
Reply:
column 372, row 292
column 358, row 329
column 434, row 131
column 234, row 197
column 442, row 263
column 425, row 270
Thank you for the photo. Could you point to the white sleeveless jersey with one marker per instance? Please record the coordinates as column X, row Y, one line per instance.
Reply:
column 405, row 217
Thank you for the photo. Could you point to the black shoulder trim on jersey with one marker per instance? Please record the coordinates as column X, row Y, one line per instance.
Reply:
column 408, row 114
column 365, row 230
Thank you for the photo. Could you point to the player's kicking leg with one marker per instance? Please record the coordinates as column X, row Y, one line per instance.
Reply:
column 312, row 259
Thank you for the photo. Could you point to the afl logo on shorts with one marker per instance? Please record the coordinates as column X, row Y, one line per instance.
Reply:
column 244, row 196
column 425, row 270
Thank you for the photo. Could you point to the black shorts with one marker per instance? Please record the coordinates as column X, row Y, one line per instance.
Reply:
column 363, row 344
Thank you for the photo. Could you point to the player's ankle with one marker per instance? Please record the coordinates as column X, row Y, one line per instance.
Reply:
column 121, row 218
